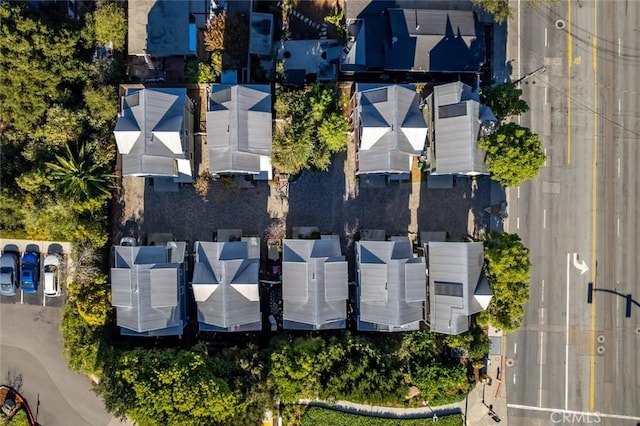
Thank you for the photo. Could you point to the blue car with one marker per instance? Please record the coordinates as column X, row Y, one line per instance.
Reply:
column 30, row 272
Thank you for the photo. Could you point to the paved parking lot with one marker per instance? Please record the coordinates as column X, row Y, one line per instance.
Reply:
column 314, row 199
column 42, row 247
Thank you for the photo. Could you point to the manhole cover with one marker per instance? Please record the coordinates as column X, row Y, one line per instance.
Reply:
column 510, row 362
column 638, row 330
column 600, row 350
column 560, row 24
column 601, row 339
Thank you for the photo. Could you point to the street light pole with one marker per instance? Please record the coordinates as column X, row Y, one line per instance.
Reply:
column 542, row 68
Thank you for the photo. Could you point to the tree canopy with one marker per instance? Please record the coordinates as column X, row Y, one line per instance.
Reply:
column 504, row 100
column 500, row 9
column 507, row 268
column 514, row 154
column 309, row 129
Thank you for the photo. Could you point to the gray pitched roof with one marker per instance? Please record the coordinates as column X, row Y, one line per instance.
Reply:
column 391, row 286
column 456, row 130
column 238, row 128
column 150, row 131
column 413, row 35
column 392, row 127
column 159, row 26
column 457, row 287
column 146, row 285
column 225, row 285
column 314, row 284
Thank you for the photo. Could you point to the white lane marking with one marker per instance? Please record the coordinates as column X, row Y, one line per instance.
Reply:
column 518, row 192
column 515, row 348
column 540, row 379
column 566, row 348
column 514, row 378
column 619, row 47
column 544, row 218
column 517, row 223
column 618, row 166
column 21, row 297
column 546, row 92
column 618, row 227
column 519, row 37
column 578, row 413
column 541, row 316
column 542, row 292
column 545, row 38
column 545, row 157
column 619, row 105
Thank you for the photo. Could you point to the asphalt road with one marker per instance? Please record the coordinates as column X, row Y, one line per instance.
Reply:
column 31, row 359
column 573, row 358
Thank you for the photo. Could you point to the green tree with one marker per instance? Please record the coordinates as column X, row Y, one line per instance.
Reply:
column 168, row 387
column 40, row 66
column 333, row 132
column 83, row 344
column 109, row 24
column 506, row 258
column 102, row 103
column 475, row 341
column 507, row 268
column 77, row 176
column 200, row 72
column 500, row 9
column 514, row 154
column 504, row 100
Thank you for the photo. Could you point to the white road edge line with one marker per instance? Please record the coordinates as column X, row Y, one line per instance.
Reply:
column 544, row 218
column 560, row 410
column 566, row 349
column 519, row 37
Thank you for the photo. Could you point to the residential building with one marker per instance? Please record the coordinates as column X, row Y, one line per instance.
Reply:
column 163, row 28
column 389, row 128
column 154, row 133
column 239, row 122
column 225, row 285
column 459, row 120
column 417, row 36
column 457, row 286
column 314, row 284
column 391, row 285
column 148, row 289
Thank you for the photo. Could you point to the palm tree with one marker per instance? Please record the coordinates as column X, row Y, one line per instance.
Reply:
column 79, row 177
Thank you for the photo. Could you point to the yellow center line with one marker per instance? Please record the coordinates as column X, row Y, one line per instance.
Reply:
column 594, row 212
column 569, row 63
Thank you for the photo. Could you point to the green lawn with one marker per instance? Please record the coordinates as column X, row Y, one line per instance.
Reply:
column 316, row 416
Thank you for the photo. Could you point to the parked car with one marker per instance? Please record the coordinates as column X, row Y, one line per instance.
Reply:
column 128, row 242
column 51, row 274
column 8, row 274
column 30, row 271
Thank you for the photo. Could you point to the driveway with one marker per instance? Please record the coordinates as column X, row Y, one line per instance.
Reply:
column 31, row 360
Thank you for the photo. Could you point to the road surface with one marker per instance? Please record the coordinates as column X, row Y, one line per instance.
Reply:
column 580, row 216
